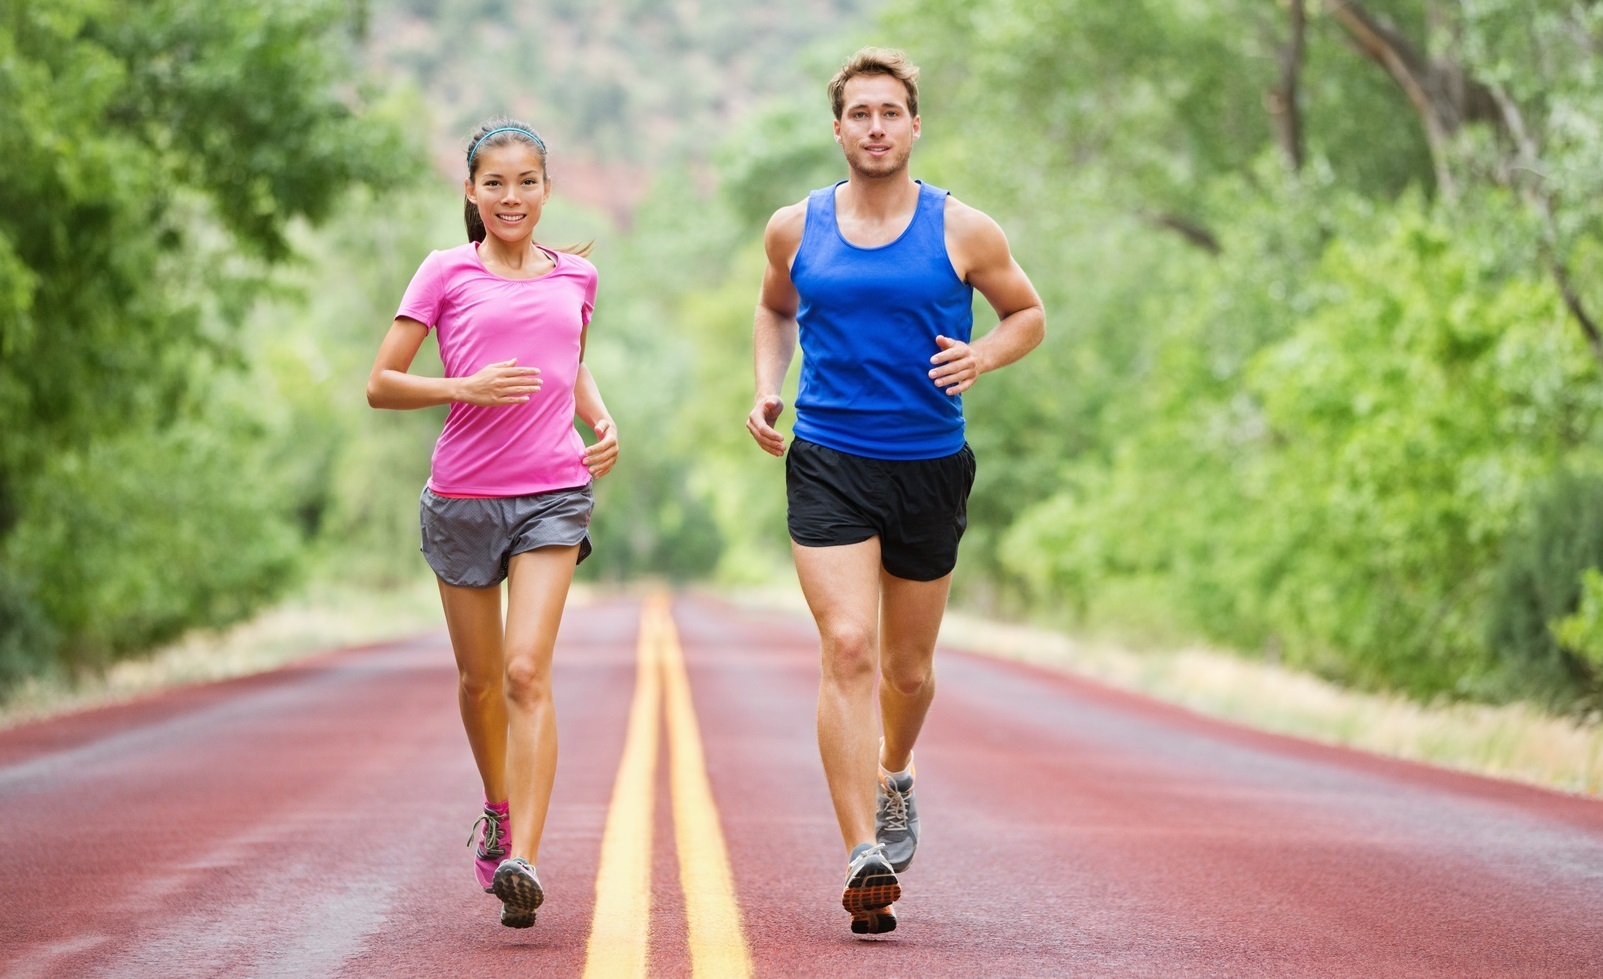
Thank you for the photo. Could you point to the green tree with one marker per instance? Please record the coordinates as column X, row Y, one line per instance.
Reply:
column 157, row 154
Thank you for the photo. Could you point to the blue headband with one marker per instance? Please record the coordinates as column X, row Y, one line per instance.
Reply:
column 504, row 129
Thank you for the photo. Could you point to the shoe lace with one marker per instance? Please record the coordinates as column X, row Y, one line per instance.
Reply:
column 893, row 809
column 492, row 833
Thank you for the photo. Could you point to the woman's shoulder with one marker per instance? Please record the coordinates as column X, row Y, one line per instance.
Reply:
column 443, row 262
column 575, row 266
column 466, row 253
column 574, row 262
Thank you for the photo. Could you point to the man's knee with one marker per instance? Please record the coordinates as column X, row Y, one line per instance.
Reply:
column 850, row 652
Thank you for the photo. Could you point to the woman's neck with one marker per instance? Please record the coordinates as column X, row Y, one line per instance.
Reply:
column 520, row 260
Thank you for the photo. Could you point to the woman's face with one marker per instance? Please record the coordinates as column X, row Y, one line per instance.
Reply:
column 510, row 190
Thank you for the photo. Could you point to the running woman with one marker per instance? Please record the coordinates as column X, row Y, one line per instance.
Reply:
column 509, row 496
column 876, row 276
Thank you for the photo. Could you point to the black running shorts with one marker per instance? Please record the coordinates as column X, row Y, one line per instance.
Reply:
column 918, row 508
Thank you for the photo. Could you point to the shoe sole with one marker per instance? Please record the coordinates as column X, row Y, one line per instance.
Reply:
column 521, row 895
column 876, row 922
column 872, row 892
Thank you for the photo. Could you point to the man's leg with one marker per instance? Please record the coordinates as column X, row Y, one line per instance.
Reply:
column 910, row 621
column 842, row 588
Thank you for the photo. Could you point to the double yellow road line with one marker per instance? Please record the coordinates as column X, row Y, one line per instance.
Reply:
column 620, row 934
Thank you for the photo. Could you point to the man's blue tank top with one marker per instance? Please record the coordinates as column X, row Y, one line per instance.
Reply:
column 868, row 321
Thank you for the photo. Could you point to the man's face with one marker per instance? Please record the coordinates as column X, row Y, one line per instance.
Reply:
column 875, row 129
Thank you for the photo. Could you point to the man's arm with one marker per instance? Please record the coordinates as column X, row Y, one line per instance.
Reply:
column 773, row 333
column 981, row 256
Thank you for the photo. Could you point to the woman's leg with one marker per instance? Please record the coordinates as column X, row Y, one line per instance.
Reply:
column 473, row 617
column 538, row 583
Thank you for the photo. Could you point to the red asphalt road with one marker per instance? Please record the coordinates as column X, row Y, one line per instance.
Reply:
column 312, row 822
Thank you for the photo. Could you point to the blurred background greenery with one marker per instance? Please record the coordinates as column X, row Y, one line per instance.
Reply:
column 1323, row 382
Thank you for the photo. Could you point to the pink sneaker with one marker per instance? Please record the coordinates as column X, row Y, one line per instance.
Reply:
column 493, row 845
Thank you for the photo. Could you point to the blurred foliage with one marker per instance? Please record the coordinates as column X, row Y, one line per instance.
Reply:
column 1300, row 408
column 1581, row 633
column 158, row 155
column 1317, row 393
column 1544, row 618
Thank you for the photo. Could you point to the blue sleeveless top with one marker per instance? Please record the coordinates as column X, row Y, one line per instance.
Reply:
column 868, row 321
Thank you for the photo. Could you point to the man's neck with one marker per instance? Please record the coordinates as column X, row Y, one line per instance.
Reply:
column 871, row 198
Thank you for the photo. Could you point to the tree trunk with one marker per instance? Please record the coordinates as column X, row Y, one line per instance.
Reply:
column 1281, row 101
column 1443, row 94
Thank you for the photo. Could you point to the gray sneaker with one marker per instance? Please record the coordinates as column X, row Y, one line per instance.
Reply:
column 896, row 819
column 520, row 893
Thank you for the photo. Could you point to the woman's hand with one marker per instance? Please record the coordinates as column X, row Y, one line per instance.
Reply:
column 503, row 383
column 600, row 457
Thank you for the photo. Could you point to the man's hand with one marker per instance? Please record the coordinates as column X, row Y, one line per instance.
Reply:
column 760, row 423
column 957, row 366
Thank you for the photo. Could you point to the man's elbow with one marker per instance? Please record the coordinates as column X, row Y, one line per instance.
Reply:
column 1037, row 322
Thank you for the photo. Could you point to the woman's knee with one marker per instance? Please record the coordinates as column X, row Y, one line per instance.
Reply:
column 909, row 679
column 479, row 686
column 526, row 681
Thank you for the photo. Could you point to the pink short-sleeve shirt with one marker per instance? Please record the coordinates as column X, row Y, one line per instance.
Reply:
column 480, row 318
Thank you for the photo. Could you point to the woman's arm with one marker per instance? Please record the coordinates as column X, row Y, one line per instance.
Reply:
column 391, row 385
column 600, row 457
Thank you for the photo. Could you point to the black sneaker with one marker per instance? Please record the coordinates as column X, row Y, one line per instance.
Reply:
column 520, row 893
column 896, row 819
column 871, row 888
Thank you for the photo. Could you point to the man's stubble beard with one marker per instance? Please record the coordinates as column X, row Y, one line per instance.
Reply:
column 889, row 168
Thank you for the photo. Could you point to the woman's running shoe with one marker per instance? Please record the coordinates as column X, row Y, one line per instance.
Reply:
column 494, row 843
column 520, row 892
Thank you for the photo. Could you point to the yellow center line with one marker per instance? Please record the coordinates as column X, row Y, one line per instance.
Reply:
column 620, row 932
column 717, row 940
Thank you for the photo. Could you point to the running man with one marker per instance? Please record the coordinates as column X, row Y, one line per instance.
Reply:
column 876, row 276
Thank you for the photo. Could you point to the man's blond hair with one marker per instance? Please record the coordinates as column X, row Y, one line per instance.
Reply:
column 875, row 61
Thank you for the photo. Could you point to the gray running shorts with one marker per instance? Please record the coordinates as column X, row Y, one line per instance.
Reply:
column 470, row 542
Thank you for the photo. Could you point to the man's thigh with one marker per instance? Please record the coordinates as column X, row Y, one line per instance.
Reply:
column 910, row 621
column 841, row 584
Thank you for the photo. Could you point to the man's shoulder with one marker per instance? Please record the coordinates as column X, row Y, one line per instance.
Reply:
column 965, row 219
column 786, row 223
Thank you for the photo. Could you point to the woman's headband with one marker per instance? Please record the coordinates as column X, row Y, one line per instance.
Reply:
column 504, row 129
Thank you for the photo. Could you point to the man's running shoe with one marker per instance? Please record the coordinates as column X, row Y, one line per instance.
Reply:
column 493, row 844
column 876, row 922
column 871, row 887
column 520, row 892
column 896, row 819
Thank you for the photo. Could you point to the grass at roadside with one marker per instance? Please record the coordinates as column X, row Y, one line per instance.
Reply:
column 1514, row 741
column 319, row 619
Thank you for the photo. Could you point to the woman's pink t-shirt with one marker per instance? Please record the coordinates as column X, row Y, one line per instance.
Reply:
column 481, row 318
